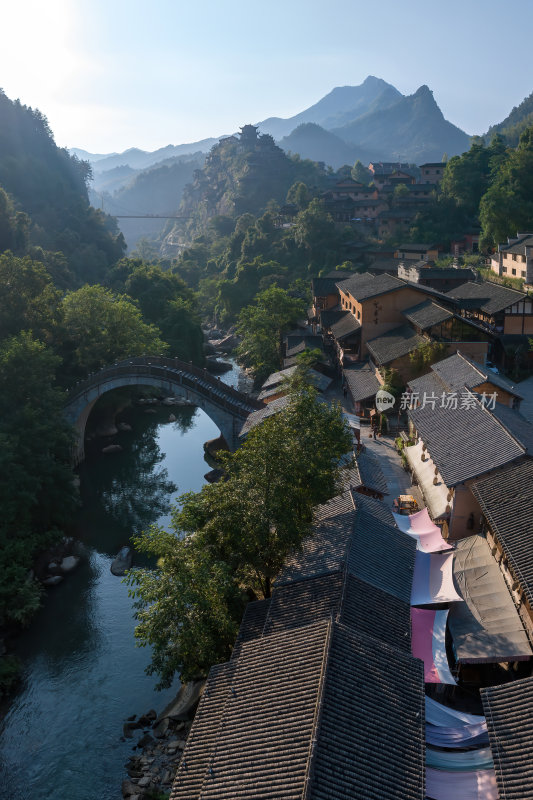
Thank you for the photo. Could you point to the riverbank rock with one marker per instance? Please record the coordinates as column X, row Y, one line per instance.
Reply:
column 185, row 702
column 112, row 448
column 150, row 411
column 172, row 418
column 213, row 365
column 122, row 561
column 214, row 445
column 69, row 563
column 52, row 580
column 123, row 426
column 226, row 344
column 214, row 475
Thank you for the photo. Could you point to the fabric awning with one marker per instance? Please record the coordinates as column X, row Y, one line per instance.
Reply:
column 460, row 762
column 436, row 496
column 465, row 736
column 486, row 628
column 423, row 529
column 475, row 785
column 439, row 714
column 433, row 579
column 428, row 635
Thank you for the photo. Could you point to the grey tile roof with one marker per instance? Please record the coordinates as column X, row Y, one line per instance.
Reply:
column 370, row 737
column 519, row 246
column 345, row 598
column 509, row 713
column 394, row 344
column 297, row 343
column 517, row 425
column 344, row 326
column 361, row 380
column 321, row 287
column 426, row 314
column 275, row 380
column 283, row 733
column 416, row 247
column 371, row 474
column 459, row 370
column 256, row 417
column 464, row 442
column 506, row 499
column 488, row 297
column 365, row 540
column 447, row 274
column 203, row 734
column 364, row 286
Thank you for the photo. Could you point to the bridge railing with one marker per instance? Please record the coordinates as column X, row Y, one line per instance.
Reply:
column 158, row 366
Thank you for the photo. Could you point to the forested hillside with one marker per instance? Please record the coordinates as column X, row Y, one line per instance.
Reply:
column 49, row 186
column 520, row 118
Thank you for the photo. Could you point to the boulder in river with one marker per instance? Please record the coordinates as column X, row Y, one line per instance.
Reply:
column 53, row 580
column 112, row 448
column 69, row 563
column 122, row 562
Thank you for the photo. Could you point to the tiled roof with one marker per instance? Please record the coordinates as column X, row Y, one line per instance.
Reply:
column 297, row 343
column 344, row 326
column 321, row 287
column 282, row 732
column 256, row 417
column 509, row 714
column 394, row 344
column 364, row 539
column 519, row 246
column 362, row 381
column 426, row 314
column 364, row 286
column 371, row 474
column 463, row 442
column 370, row 743
column 517, row 425
column 447, row 274
column 276, row 379
column 506, row 499
column 458, row 370
column 486, row 296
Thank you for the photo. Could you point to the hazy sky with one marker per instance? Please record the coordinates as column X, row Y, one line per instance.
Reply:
column 122, row 73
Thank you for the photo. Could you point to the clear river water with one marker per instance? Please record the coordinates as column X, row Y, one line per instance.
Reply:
column 83, row 673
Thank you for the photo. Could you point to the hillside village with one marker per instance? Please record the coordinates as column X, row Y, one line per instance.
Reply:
column 394, row 657
column 388, row 651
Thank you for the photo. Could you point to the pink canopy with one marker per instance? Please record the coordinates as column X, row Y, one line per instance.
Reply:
column 433, row 579
column 428, row 634
column 477, row 785
column 423, row 529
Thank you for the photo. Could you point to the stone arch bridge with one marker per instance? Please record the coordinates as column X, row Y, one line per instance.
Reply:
column 227, row 407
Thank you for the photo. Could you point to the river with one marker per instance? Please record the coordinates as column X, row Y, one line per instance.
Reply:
column 83, row 674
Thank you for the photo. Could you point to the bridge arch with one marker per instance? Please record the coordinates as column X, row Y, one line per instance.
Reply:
column 227, row 407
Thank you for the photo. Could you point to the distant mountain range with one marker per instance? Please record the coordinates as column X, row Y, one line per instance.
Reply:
column 373, row 121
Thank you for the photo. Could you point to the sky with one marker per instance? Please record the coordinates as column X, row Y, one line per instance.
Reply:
column 125, row 73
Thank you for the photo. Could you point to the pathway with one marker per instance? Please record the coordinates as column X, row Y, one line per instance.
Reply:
column 398, row 480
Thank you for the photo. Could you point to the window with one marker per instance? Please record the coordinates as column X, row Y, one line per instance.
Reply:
column 513, row 271
column 523, row 273
column 504, row 269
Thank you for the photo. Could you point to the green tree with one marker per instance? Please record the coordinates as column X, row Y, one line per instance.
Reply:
column 261, row 326
column 29, row 299
column 360, row 173
column 507, row 205
column 427, row 354
column 101, row 327
column 299, row 195
column 36, row 492
column 231, row 539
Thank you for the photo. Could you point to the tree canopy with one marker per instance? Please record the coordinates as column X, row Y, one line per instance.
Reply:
column 229, row 541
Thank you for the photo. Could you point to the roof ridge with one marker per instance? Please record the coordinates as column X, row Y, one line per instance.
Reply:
column 326, row 656
column 498, row 422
